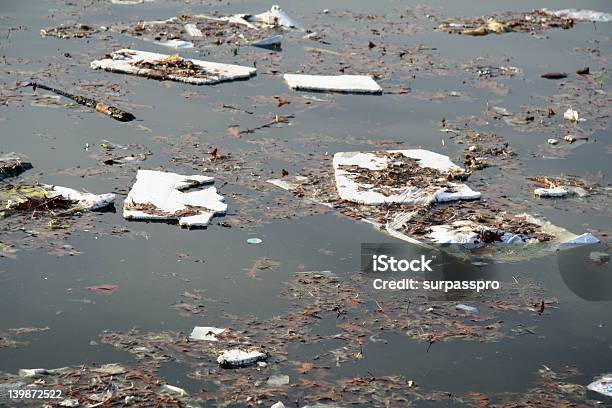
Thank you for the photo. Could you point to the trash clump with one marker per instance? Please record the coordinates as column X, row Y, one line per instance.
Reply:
column 160, row 196
column 171, row 67
column 186, row 31
column 410, row 195
column 562, row 187
column 333, row 83
column 46, row 198
column 69, row 31
column 409, row 177
column 532, row 21
column 12, row 165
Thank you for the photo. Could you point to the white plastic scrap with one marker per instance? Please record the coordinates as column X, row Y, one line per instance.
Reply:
column 163, row 191
column 572, row 115
column 550, row 192
column 130, row 2
column 176, row 44
column 587, row 15
column 333, row 83
column 279, row 404
column 125, row 60
column 351, row 190
column 275, row 17
column 172, row 390
column 205, row 333
column 193, row 30
column 85, row 201
column 602, row 385
column 240, row 358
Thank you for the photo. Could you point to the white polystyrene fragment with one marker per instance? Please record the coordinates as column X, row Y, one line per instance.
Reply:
column 240, row 358
column 583, row 239
column 173, row 390
column 177, row 44
column 275, row 17
column 193, row 30
column 85, row 201
column 587, row 15
column 205, row 333
column 130, row 2
column 350, row 190
column 572, row 115
column 603, row 385
column 124, row 61
column 333, row 83
column 550, row 192
column 163, row 191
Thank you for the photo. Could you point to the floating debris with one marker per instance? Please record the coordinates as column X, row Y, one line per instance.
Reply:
column 585, row 15
column 550, row 192
column 602, row 385
column 572, row 116
column 333, row 83
column 254, row 241
column 270, row 42
column 193, row 30
column 239, row 358
column 171, row 67
column 158, row 195
column 11, row 166
column 177, row 44
column 82, row 201
column 107, row 110
column 69, row 31
column 467, row 308
column 532, row 21
column 599, row 258
column 554, row 75
column 205, row 333
column 399, row 176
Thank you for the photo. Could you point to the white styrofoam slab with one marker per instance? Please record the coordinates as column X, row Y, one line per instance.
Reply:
column 124, row 61
column 164, row 191
column 333, row 83
column 350, row 190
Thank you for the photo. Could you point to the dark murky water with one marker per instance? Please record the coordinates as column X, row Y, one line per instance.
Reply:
column 157, row 262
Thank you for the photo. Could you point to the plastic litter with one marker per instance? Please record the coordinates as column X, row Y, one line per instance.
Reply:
column 177, row 44
column 205, row 333
column 239, row 358
column 587, row 15
column 254, row 241
column 171, row 67
column 277, row 380
column 602, row 385
column 158, row 195
column 467, row 308
column 333, row 83
column 270, row 42
column 84, row 201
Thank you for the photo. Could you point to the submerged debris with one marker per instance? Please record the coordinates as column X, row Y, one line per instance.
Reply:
column 171, row 67
column 333, row 83
column 157, row 195
column 11, row 166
